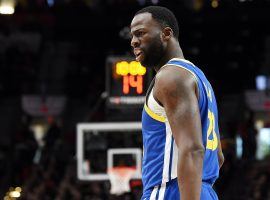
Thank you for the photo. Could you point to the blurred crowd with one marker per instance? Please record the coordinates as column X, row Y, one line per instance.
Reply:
column 45, row 168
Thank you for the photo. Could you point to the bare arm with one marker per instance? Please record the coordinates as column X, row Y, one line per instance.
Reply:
column 175, row 89
column 220, row 155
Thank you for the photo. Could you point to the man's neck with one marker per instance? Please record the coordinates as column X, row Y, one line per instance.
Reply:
column 173, row 51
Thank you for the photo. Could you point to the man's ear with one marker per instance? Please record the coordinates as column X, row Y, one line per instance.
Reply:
column 167, row 33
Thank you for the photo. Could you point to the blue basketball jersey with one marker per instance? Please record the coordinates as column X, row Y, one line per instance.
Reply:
column 160, row 157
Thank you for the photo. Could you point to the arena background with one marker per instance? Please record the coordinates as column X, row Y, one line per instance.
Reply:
column 54, row 75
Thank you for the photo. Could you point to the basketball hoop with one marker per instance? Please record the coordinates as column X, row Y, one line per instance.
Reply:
column 119, row 178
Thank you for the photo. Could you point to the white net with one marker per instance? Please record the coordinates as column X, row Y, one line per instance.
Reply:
column 119, row 178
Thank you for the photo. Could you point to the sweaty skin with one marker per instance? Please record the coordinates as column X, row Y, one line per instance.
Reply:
column 176, row 90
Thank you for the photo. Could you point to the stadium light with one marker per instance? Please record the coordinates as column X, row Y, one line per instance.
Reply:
column 7, row 7
column 214, row 3
column 15, row 194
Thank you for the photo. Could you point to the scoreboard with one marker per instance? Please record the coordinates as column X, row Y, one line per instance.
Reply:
column 126, row 82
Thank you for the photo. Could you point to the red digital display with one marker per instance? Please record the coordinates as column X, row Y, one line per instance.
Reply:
column 127, row 81
column 132, row 74
column 134, row 82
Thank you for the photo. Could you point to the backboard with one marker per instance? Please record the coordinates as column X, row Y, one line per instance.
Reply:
column 102, row 146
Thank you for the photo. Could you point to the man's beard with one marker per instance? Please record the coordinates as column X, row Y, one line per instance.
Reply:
column 153, row 54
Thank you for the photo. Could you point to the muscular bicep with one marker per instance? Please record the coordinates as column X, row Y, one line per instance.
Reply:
column 175, row 89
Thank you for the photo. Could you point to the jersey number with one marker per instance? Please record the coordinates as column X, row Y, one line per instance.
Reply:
column 211, row 143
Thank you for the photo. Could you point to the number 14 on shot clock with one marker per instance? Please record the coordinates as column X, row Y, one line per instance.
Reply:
column 132, row 73
column 127, row 81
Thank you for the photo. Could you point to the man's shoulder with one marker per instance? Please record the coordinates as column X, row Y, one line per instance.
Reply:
column 171, row 74
column 174, row 82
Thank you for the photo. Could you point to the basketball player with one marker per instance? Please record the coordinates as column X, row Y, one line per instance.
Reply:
column 182, row 151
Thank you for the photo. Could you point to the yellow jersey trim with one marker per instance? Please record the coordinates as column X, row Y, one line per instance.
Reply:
column 154, row 115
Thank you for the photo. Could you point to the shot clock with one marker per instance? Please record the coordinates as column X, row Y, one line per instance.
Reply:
column 126, row 82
